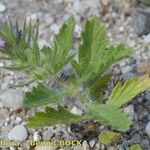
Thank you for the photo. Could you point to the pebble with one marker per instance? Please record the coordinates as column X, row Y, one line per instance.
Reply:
column 126, row 69
column 145, row 144
column 111, row 148
column 2, row 8
column 85, row 145
column 147, row 96
column 76, row 111
column 130, row 111
column 141, row 22
column 18, row 120
column 146, row 2
column 47, row 135
column 36, row 136
column 92, row 143
column 136, row 138
column 147, row 129
column 18, row 133
column 77, row 148
column 4, row 113
column 146, row 38
column 45, row 148
column 12, row 98
column 78, row 7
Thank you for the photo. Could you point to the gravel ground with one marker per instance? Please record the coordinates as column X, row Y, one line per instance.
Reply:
column 128, row 21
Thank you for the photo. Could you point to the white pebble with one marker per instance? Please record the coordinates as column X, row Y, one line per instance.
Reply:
column 18, row 133
column 92, row 143
column 126, row 69
column 45, row 148
column 130, row 111
column 36, row 136
column 147, row 129
column 12, row 98
column 78, row 6
column 2, row 8
column 18, row 120
column 12, row 148
column 76, row 111
column 85, row 145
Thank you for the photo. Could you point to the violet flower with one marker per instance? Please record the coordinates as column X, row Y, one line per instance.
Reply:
column 2, row 43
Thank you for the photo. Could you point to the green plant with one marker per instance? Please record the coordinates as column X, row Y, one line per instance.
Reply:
column 135, row 147
column 87, row 83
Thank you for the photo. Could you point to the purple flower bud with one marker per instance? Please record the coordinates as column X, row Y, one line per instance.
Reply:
column 2, row 43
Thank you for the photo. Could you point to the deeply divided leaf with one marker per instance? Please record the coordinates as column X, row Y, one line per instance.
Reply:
column 110, row 115
column 123, row 93
column 41, row 96
column 52, row 116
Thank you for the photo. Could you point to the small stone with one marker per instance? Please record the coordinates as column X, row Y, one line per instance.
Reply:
column 148, row 96
column 147, row 129
column 3, row 115
column 128, row 75
column 111, row 148
column 78, row 7
column 130, row 111
column 105, row 2
column 126, row 69
column 147, row 2
column 12, row 148
column 47, row 135
column 36, row 136
column 136, row 139
column 45, row 148
column 92, row 143
column 18, row 133
column 18, row 120
column 146, row 38
column 76, row 111
column 145, row 144
column 85, row 145
column 2, row 8
column 78, row 147
column 12, row 99
column 125, row 144
column 141, row 22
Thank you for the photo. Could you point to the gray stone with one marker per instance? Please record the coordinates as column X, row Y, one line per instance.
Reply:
column 141, row 22
column 78, row 7
column 12, row 98
column 4, row 113
column 76, row 111
column 18, row 133
column 85, row 145
column 147, row 129
column 126, row 69
column 128, row 75
column 47, row 135
column 125, row 144
column 130, row 111
column 136, row 138
column 145, row 144
column 36, row 136
column 45, row 148
column 148, row 96
column 92, row 143
column 147, row 2
column 2, row 8
column 77, row 148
